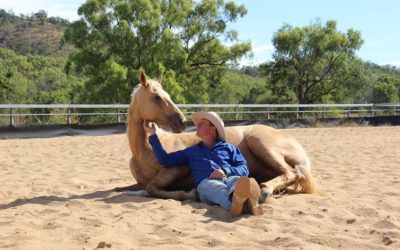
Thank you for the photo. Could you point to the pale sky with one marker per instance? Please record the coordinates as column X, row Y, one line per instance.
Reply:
column 378, row 22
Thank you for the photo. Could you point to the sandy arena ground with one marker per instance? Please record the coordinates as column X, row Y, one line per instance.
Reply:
column 55, row 194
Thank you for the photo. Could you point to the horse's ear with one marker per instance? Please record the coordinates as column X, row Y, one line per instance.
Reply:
column 143, row 80
column 159, row 78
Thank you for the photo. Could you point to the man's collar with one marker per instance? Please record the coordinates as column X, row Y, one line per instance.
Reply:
column 218, row 141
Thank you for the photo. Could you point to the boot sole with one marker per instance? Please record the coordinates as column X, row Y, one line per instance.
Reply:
column 247, row 192
column 241, row 194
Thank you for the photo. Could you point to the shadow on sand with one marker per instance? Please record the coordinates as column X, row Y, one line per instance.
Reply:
column 97, row 195
column 213, row 212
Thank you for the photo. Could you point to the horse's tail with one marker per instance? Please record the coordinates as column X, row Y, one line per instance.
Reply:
column 305, row 181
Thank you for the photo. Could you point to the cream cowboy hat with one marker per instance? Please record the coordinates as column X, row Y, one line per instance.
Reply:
column 214, row 118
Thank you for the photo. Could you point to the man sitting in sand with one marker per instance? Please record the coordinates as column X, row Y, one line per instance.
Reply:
column 219, row 169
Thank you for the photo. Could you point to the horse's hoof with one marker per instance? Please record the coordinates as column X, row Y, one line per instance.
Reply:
column 193, row 195
column 264, row 196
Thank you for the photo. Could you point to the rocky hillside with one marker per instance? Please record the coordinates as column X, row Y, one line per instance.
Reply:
column 33, row 34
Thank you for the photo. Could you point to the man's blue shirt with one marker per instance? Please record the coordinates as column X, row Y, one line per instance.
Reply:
column 201, row 160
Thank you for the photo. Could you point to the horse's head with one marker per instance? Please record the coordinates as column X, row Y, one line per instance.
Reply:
column 155, row 105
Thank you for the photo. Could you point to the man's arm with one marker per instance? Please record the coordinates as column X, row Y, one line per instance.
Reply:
column 177, row 158
column 238, row 165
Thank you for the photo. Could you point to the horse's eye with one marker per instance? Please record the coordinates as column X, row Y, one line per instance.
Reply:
column 157, row 97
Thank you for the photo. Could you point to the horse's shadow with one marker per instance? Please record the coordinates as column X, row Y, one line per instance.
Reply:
column 97, row 195
column 213, row 212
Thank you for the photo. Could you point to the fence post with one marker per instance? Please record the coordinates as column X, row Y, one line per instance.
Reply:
column 11, row 118
column 394, row 110
column 268, row 114
column 297, row 112
column 372, row 111
column 236, row 110
column 69, row 116
column 118, row 116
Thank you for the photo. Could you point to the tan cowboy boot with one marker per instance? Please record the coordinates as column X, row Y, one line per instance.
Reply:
column 247, row 192
column 252, row 204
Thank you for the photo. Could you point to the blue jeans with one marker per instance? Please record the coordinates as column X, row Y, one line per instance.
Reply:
column 217, row 191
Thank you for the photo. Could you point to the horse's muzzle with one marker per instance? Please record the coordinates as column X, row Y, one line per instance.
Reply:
column 178, row 123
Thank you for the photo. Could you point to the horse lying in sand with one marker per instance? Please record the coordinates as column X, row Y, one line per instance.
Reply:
column 275, row 159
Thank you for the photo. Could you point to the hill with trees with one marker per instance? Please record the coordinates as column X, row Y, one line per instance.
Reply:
column 33, row 34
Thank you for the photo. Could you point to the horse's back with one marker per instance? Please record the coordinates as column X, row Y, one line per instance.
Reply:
column 260, row 140
column 265, row 134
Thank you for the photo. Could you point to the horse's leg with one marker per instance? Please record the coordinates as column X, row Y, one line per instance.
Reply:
column 300, row 178
column 287, row 178
column 164, row 178
column 134, row 187
column 274, row 160
column 134, row 167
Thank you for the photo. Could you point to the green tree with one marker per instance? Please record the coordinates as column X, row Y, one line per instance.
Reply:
column 14, row 84
column 6, row 17
column 308, row 60
column 236, row 87
column 41, row 16
column 179, row 38
column 350, row 83
column 36, row 79
column 385, row 90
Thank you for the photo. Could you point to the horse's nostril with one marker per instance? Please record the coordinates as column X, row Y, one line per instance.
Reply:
column 182, row 123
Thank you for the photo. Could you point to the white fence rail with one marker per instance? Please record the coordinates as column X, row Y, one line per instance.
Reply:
column 26, row 114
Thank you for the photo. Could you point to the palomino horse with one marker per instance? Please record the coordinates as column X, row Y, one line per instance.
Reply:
column 275, row 159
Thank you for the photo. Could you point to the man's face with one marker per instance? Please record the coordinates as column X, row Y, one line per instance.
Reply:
column 205, row 128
